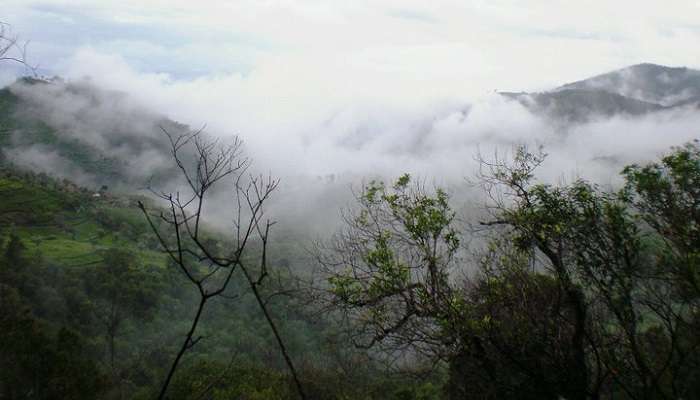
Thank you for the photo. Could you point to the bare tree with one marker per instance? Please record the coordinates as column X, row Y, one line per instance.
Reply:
column 179, row 229
column 12, row 48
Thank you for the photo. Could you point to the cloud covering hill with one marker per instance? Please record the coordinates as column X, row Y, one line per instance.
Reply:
column 119, row 117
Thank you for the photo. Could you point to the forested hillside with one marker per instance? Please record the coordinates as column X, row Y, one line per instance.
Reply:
column 91, row 309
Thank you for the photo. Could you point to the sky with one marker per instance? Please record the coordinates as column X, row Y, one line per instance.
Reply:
column 443, row 47
column 321, row 87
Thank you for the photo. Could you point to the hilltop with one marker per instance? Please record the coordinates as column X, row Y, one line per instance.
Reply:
column 632, row 91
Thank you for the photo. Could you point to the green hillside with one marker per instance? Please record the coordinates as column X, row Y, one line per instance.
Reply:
column 68, row 225
column 59, row 247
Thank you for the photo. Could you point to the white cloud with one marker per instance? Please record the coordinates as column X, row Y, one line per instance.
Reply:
column 366, row 87
column 497, row 43
column 299, row 118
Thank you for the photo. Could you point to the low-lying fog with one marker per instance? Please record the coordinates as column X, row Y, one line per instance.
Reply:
column 322, row 137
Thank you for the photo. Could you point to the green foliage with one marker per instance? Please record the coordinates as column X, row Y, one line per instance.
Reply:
column 89, row 265
column 581, row 291
column 630, row 291
column 124, row 285
column 424, row 217
column 66, row 224
column 515, row 336
column 36, row 363
column 667, row 196
column 390, row 269
column 218, row 381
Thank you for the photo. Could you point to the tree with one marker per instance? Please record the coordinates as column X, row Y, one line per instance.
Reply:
column 38, row 363
column 666, row 195
column 583, row 293
column 391, row 271
column 12, row 49
column 515, row 333
column 631, row 332
column 120, row 290
column 208, row 267
column 388, row 270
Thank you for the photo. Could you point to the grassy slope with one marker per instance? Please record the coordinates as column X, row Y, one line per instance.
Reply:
column 68, row 226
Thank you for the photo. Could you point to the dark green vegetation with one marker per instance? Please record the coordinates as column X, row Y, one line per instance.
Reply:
column 582, row 293
column 90, row 308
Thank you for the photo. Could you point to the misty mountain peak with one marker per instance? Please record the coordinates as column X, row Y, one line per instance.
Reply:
column 635, row 90
column 652, row 83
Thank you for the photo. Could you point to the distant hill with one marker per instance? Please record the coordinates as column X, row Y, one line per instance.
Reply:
column 88, row 135
column 580, row 105
column 636, row 90
column 651, row 83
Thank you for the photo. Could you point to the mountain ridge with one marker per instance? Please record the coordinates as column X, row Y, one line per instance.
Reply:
column 631, row 91
column 648, row 82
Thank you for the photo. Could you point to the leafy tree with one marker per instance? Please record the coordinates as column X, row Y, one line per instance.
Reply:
column 389, row 269
column 14, row 263
column 584, row 293
column 666, row 195
column 516, row 333
column 630, row 331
